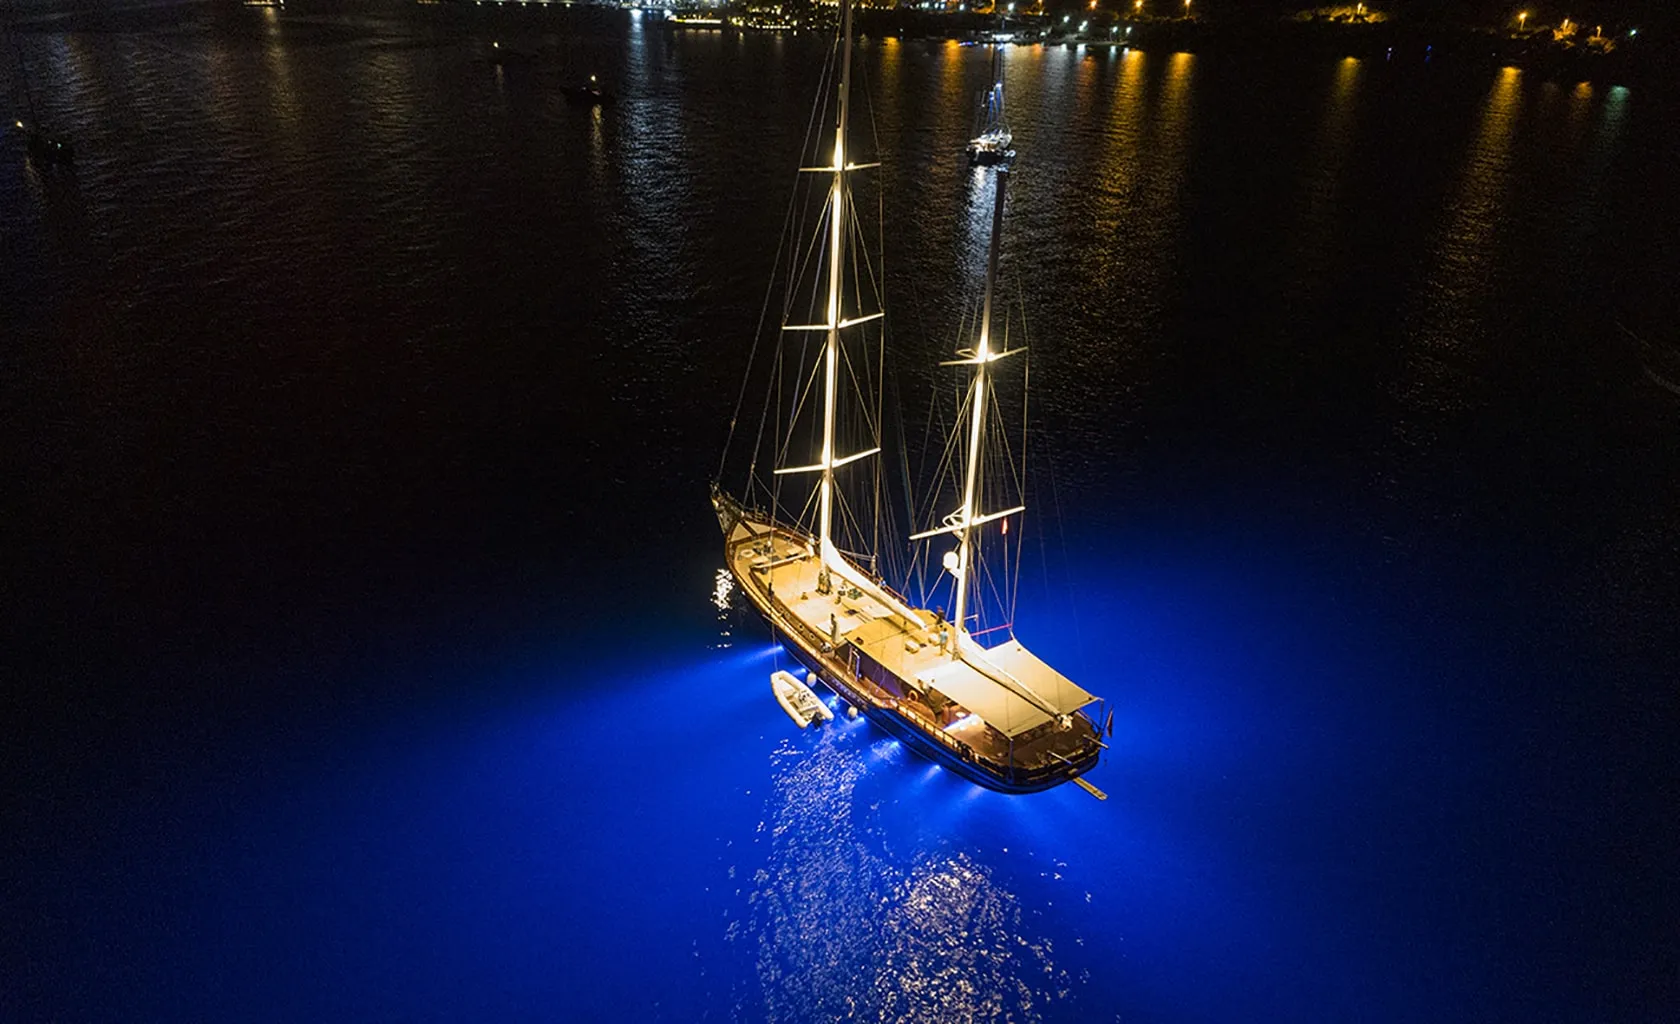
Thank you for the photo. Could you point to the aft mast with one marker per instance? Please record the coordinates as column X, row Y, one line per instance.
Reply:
column 966, row 518
column 977, row 417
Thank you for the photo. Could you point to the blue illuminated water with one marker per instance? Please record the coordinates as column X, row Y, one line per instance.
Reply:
column 361, row 657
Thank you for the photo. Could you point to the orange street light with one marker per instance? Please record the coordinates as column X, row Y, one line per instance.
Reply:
column 1522, row 20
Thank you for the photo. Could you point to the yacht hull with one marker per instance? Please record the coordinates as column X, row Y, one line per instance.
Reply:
column 827, row 667
column 912, row 736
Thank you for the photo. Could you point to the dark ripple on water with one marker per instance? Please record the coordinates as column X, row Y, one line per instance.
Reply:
column 847, row 930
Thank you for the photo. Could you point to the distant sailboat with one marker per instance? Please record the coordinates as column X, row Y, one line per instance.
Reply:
column 999, row 716
column 991, row 145
column 589, row 95
column 43, row 147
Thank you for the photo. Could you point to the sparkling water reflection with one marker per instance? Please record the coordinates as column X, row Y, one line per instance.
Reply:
column 852, row 925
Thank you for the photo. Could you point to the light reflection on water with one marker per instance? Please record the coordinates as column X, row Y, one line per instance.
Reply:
column 852, row 923
column 1458, row 285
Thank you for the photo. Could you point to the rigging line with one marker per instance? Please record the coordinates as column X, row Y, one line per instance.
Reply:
column 810, row 144
column 1002, row 469
column 903, row 451
column 859, row 249
column 1020, row 541
column 791, row 222
column 947, row 466
column 950, row 460
column 870, row 425
column 881, row 342
column 869, row 106
column 870, row 422
column 999, row 435
column 801, row 518
column 849, row 525
column 804, row 397
column 997, row 596
column 812, row 256
column 941, row 465
column 796, row 269
column 813, row 353
column 1061, row 528
column 776, row 442
column 758, row 335
column 880, row 375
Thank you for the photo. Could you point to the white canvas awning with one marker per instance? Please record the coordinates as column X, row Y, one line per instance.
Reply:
column 1030, row 670
column 1009, row 687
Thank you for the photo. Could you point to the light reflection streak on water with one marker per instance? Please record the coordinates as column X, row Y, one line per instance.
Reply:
column 891, row 99
column 1445, row 335
column 1322, row 179
column 1584, row 199
column 1333, row 134
column 977, row 229
column 1580, row 106
column 283, row 98
column 81, row 85
column 1125, row 133
column 1169, row 139
column 222, row 69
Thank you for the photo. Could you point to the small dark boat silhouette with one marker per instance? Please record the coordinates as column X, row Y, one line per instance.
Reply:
column 44, row 147
column 506, row 55
column 589, row 95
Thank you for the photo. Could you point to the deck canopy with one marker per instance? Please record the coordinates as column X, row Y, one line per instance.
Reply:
column 1009, row 687
column 1030, row 670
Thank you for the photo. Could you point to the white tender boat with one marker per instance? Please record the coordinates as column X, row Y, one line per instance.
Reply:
column 798, row 700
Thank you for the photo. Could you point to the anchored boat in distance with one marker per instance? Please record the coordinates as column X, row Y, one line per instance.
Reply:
column 991, row 145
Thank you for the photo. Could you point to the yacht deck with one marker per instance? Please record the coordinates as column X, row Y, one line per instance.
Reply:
column 988, row 710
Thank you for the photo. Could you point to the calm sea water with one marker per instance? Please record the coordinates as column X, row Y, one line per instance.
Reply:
column 362, row 395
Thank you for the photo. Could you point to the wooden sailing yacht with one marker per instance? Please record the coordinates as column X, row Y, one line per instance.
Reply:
column 998, row 715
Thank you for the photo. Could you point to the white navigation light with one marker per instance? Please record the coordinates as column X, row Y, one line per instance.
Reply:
column 950, row 562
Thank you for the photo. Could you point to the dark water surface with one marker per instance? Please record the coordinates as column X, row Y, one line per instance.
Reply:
column 362, row 396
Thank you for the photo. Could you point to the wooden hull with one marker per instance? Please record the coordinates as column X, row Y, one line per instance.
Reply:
column 1078, row 748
